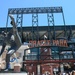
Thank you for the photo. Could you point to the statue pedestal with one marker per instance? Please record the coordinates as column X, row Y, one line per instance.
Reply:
column 17, row 67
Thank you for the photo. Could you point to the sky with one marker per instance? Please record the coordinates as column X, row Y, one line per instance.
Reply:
column 67, row 5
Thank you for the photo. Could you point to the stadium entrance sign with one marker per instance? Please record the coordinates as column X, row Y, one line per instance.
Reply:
column 48, row 43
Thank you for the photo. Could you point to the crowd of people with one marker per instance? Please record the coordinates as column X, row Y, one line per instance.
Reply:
column 67, row 73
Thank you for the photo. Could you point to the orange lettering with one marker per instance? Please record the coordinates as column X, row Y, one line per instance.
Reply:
column 65, row 43
column 61, row 42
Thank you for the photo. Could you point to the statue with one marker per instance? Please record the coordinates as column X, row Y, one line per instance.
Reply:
column 13, row 39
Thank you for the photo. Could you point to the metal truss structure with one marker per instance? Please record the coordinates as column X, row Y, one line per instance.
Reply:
column 51, row 33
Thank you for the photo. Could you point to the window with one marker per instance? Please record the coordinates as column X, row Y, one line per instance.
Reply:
column 55, row 52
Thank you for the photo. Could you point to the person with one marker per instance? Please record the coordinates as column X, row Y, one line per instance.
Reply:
column 64, row 73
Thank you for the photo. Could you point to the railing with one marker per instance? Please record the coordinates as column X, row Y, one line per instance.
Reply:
column 48, row 61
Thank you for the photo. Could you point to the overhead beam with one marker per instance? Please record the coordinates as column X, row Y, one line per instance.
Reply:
column 35, row 10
